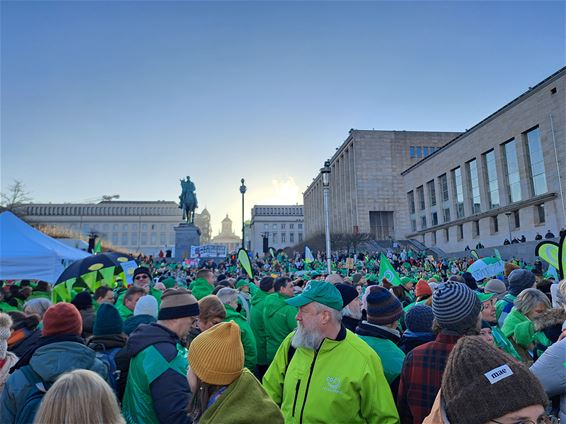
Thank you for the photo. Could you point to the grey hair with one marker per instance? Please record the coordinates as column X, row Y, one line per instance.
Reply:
column 37, row 306
column 227, row 295
column 336, row 315
column 562, row 293
column 529, row 299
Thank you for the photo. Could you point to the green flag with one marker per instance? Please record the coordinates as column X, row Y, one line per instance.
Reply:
column 386, row 271
column 97, row 247
column 244, row 260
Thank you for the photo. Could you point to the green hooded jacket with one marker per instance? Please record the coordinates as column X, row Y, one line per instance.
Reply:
column 522, row 330
column 391, row 356
column 201, row 288
column 258, row 326
column 279, row 318
column 342, row 382
column 246, row 335
column 244, row 401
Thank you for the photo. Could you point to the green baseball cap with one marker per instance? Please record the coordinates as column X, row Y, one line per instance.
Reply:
column 484, row 297
column 242, row 283
column 169, row 283
column 321, row 292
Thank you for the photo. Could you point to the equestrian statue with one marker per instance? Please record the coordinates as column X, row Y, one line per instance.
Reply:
column 188, row 200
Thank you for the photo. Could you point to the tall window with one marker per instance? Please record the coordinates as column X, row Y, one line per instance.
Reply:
column 457, row 181
column 512, row 168
column 411, row 152
column 419, row 152
column 443, row 180
column 292, row 238
column 474, row 186
column 411, row 201
column 492, row 185
column 420, row 197
column 536, row 162
column 431, row 193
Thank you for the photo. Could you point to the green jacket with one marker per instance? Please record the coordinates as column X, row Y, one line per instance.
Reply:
column 391, row 356
column 124, row 312
column 244, row 401
column 201, row 288
column 258, row 326
column 342, row 382
column 503, row 343
column 279, row 318
column 508, row 299
column 521, row 329
column 246, row 335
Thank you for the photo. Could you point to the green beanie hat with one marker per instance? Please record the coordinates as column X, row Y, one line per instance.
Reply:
column 107, row 321
column 169, row 283
column 242, row 283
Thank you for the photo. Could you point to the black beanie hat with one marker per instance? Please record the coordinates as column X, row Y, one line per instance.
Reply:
column 82, row 301
column 141, row 270
column 482, row 383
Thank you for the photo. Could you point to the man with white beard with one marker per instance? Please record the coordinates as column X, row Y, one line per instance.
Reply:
column 323, row 373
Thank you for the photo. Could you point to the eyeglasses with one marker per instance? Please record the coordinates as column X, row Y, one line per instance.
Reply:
column 543, row 419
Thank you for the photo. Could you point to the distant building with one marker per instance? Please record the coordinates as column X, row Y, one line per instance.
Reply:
column 137, row 226
column 227, row 237
column 277, row 226
column 202, row 221
column 504, row 177
column 366, row 193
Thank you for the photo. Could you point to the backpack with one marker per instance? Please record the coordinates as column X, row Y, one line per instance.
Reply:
column 108, row 357
column 26, row 414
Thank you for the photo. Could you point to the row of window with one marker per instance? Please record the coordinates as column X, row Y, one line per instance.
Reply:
column 100, row 211
column 421, row 151
column 278, row 211
column 513, row 223
column 275, row 238
column 283, row 226
column 141, row 239
column 105, row 227
column 534, row 162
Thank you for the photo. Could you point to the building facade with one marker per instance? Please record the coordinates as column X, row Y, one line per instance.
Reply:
column 227, row 237
column 137, row 226
column 277, row 226
column 366, row 188
column 502, row 179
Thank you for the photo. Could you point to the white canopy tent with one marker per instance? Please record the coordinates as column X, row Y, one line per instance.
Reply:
column 26, row 253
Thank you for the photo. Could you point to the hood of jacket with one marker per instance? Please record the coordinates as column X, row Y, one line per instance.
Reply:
column 373, row 330
column 258, row 297
column 134, row 322
column 149, row 334
column 274, row 302
column 550, row 318
column 109, row 341
column 54, row 359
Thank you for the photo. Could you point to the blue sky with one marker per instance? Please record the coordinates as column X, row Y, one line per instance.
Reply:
column 127, row 97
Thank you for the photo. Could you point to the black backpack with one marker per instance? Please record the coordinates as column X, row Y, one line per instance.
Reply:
column 28, row 410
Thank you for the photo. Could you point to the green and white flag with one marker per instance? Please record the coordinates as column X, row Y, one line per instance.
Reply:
column 386, row 271
column 308, row 255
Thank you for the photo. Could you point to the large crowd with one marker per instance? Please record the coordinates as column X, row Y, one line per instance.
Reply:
column 291, row 343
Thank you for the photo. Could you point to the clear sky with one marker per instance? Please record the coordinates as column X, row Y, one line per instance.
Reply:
column 128, row 97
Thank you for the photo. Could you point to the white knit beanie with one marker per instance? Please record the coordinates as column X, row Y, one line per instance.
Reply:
column 5, row 331
column 147, row 305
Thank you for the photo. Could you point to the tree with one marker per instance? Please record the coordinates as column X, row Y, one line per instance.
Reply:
column 16, row 196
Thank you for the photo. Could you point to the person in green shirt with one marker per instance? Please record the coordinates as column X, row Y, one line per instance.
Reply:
column 203, row 285
column 127, row 305
column 258, row 322
column 229, row 297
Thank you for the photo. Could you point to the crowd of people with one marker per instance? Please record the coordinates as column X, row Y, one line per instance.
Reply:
column 293, row 343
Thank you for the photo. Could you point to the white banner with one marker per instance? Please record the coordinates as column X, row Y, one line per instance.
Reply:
column 209, row 251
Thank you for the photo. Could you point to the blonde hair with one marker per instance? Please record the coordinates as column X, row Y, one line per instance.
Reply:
column 79, row 396
column 211, row 307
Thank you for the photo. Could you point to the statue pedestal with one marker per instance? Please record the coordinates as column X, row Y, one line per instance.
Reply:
column 186, row 235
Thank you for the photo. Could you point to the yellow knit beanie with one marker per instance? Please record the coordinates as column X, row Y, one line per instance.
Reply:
column 216, row 356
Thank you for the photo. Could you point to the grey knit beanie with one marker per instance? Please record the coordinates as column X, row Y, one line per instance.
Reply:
column 455, row 307
column 5, row 331
column 519, row 280
column 495, row 286
column 482, row 383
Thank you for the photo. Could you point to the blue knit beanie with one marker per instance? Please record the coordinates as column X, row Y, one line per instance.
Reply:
column 455, row 307
column 107, row 321
column 419, row 319
column 519, row 280
column 382, row 307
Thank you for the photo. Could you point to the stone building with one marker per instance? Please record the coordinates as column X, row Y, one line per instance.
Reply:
column 202, row 221
column 366, row 188
column 227, row 237
column 278, row 226
column 503, row 178
column 137, row 226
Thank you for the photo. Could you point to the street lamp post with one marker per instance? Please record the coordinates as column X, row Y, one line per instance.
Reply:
column 243, row 191
column 509, row 223
column 326, row 185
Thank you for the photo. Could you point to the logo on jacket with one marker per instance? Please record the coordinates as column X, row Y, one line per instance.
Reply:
column 333, row 385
